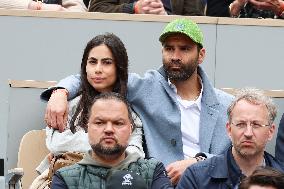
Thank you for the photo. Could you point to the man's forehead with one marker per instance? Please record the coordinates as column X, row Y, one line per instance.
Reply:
column 178, row 37
column 109, row 117
column 246, row 103
column 109, row 108
column 245, row 107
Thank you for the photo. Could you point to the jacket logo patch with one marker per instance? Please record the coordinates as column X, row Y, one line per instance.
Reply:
column 127, row 179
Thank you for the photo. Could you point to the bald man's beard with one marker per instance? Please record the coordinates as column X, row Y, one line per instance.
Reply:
column 108, row 153
column 185, row 72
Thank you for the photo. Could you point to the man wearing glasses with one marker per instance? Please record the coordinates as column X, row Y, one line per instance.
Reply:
column 250, row 127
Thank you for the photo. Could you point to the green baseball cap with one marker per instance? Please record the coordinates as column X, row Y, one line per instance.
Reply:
column 184, row 26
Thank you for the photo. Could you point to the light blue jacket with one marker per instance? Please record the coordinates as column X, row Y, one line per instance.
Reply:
column 154, row 101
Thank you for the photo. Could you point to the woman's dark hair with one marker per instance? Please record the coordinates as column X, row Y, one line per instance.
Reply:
column 264, row 176
column 87, row 91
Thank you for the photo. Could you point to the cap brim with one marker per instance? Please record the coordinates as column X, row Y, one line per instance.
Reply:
column 163, row 37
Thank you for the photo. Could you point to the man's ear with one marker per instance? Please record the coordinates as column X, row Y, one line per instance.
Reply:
column 271, row 131
column 201, row 55
column 229, row 129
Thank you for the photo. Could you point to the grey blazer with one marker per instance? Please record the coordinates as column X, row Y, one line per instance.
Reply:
column 153, row 99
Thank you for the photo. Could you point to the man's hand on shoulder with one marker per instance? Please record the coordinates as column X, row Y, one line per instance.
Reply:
column 176, row 169
column 57, row 110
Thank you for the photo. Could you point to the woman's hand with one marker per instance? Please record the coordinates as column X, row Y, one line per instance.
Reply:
column 57, row 110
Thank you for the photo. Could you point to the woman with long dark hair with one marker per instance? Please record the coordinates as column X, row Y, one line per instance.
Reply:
column 104, row 68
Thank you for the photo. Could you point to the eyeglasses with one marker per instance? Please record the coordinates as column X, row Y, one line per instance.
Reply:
column 254, row 125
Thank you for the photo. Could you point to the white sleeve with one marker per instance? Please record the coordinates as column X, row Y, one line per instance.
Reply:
column 14, row 4
column 57, row 142
column 135, row 141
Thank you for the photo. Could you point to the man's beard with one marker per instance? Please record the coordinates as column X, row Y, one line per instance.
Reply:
column 108, row 153
column 185, row 72
column 247, row 152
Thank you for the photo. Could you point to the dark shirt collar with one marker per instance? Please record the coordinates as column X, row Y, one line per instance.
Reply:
column 229, row 173
column 234, row 172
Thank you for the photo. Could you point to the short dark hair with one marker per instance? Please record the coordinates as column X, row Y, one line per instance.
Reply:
column 114, row 96
column 264, row 176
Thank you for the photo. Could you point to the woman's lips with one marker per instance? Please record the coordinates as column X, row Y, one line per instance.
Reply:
column 98, row 79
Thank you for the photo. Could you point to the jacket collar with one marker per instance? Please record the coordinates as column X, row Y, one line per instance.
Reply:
column 224, row 167
column 271, row 161
column 103, row 171
column 216, row 171
column 130, row 158
column 208, row 96
column 209, row 107
column 231, row 171
column 209, row 112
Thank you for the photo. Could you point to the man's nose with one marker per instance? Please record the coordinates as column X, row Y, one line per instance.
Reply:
column 248, row 131
column 176, row 55
column 108, row 127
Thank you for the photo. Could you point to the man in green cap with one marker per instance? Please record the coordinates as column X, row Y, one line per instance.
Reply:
column 183, row 115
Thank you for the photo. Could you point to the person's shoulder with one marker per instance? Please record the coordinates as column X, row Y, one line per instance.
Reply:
column 208, row 164
column 150, row 77
column 203, row 164
column 198, row 171
column 70, row 169
column 224, row 95
column 149, row 161
column 149, row 164
column 199, row 174
column 274, row 163
column 148, row 74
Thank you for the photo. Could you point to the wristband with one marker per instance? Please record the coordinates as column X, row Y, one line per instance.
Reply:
column 200, row 156
column 60, row 90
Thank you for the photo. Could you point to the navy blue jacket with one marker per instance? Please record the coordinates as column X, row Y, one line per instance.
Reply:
column 219, row 172
column 279, row 149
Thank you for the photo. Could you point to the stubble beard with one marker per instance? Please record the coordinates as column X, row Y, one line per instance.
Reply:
column 185, row 72
column 247, row 153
